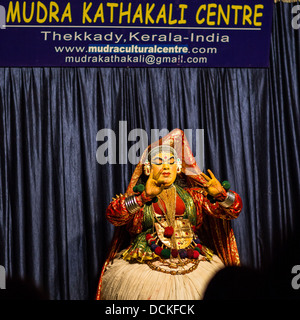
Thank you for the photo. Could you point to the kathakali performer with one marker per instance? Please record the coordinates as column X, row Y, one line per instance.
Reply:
column 172, row 228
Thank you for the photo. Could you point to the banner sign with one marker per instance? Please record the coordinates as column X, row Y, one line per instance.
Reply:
column 136, row 33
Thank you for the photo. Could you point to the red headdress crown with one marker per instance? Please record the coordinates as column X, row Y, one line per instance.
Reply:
column 177, row 140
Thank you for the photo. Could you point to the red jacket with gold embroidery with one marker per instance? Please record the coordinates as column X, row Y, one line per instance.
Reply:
column 118, row 214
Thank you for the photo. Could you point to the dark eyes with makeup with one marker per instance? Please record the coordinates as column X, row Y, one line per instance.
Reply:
column 159, row 161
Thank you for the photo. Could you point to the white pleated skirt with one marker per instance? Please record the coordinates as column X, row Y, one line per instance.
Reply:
column 137, row 281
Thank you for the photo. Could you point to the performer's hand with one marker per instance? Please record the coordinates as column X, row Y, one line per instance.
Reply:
column 212, row 185
column 153, row 188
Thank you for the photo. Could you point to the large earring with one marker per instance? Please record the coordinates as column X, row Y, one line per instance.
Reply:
column 147, row 168
column 179, row 165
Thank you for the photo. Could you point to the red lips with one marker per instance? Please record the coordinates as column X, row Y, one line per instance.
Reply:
column 166, row 174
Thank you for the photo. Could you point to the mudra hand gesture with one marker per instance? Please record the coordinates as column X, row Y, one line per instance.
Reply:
column 163, row 173
column 212, row 185
column 153, row 186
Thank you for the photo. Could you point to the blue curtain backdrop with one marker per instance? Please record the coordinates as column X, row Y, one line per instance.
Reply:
column 53, row 193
